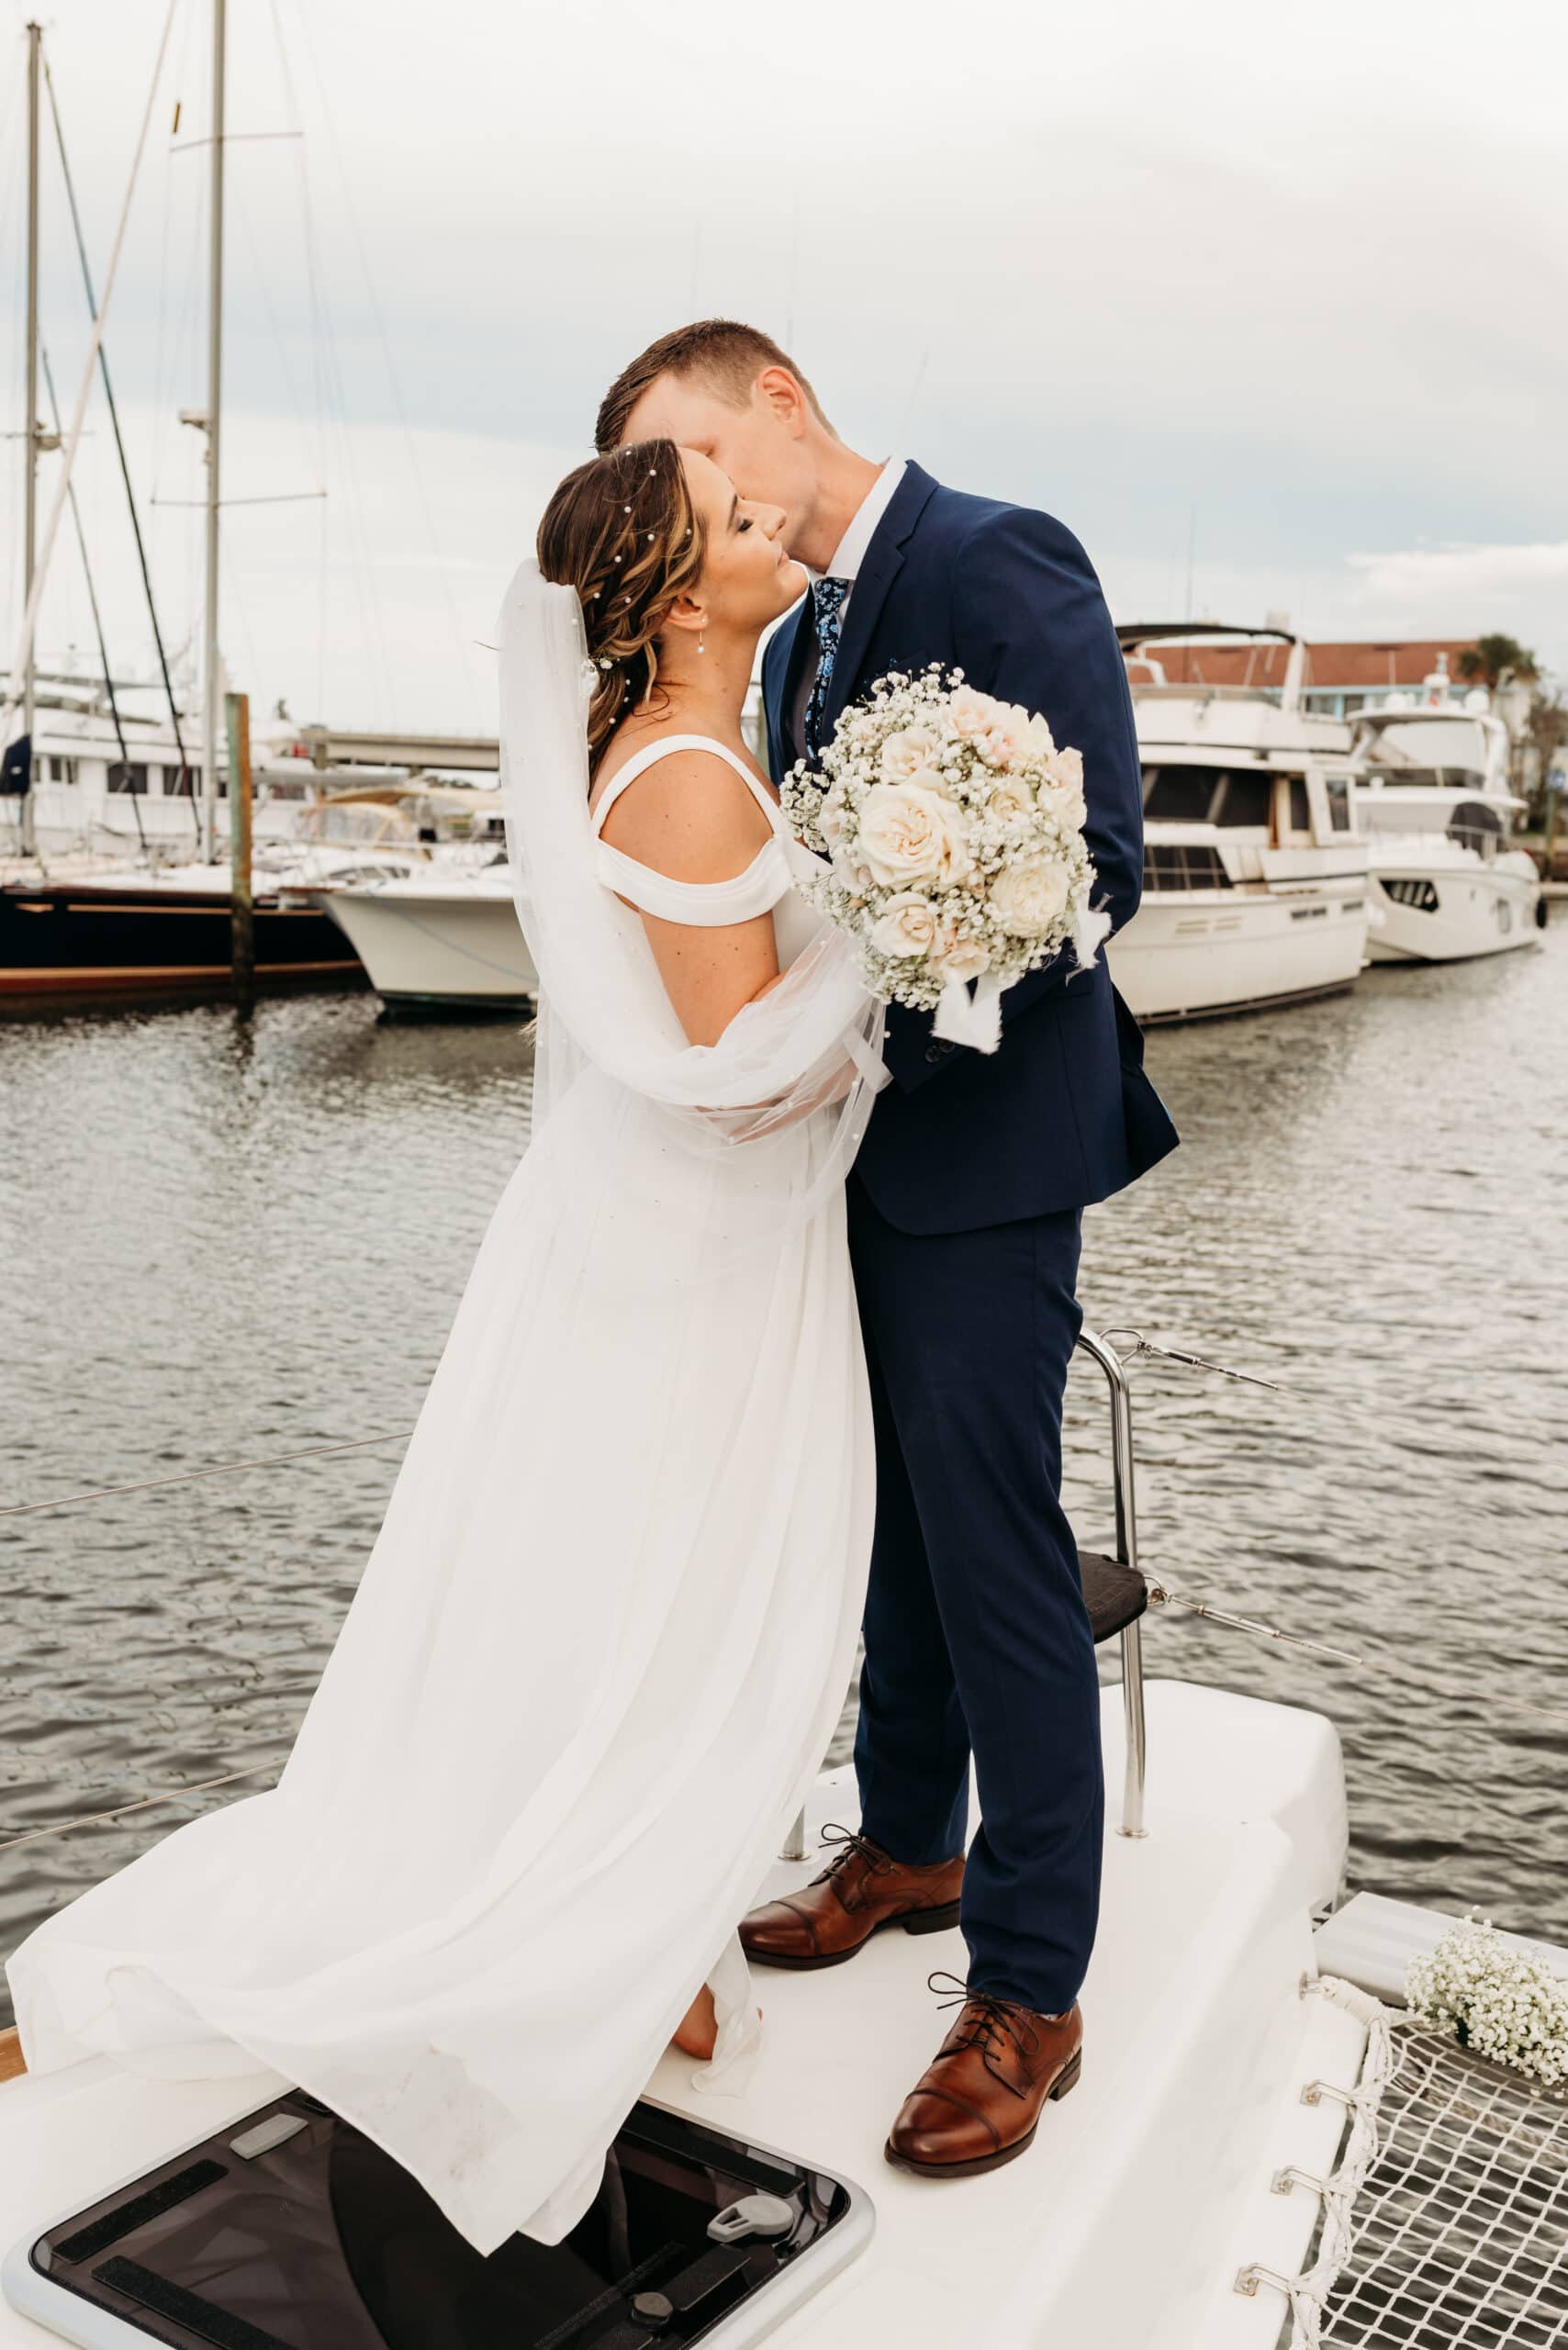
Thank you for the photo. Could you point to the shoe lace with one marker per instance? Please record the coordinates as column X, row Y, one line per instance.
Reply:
column 988, row 2023
column 851, row 1843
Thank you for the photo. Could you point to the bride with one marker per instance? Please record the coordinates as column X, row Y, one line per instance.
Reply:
column 603, row 1636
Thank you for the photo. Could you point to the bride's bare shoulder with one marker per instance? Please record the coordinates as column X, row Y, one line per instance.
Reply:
column 688, row 814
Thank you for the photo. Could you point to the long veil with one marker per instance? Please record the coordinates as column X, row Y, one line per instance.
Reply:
column 805, row 1057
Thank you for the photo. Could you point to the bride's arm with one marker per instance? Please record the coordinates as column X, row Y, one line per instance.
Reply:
column 691, row 819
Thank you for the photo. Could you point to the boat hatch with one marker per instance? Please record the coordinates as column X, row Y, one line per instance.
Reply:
column 290, row 2229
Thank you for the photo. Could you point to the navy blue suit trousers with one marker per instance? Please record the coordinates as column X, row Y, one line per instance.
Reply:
column 976, row 1634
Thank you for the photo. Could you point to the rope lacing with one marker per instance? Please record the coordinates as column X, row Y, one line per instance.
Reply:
column 994, row 2021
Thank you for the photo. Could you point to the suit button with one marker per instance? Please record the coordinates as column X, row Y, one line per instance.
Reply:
column 938, row 1049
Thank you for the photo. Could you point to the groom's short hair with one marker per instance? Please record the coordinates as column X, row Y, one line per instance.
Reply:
column 723, row 356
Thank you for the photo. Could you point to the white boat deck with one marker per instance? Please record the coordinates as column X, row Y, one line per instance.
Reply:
column 1146, row 2190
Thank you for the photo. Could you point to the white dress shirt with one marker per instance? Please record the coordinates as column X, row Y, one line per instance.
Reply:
column 847, row 558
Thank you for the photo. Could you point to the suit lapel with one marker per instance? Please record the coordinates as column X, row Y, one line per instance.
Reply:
column 883, row 562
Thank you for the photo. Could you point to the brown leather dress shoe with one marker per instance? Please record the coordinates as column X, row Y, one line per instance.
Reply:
column 859, row 1892
column 980, row 2103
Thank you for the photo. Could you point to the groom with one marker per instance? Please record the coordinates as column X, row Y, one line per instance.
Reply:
column 965, row 1208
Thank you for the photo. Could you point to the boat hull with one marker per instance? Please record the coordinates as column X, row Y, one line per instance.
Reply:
column 435, row 950
column 80, row 939
column 1203, row 954
column 1446, row 914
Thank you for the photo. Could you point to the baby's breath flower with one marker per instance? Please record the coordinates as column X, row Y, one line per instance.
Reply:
column 1503, row 2002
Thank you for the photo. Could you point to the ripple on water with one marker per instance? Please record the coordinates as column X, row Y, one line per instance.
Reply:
column 224, row 1243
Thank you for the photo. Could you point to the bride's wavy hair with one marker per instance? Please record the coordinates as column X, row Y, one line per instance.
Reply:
column 622, row 531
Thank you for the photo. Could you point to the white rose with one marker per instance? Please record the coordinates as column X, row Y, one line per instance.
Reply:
column 830, row 816
column 1061, row 788
column 907, row 926
column 1041, row 742
column 959, row 958
column 1006, row 740
column 931, row 779
column 905, row 753
column 1010, row 802
column 856, row 876
column 1027, row 898
column 970, row 713
column 911, row 834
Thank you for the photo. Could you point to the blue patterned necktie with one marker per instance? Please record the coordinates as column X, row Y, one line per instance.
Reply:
column 827, row 612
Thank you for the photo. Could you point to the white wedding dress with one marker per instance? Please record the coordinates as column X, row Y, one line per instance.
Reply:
column 603, row 1636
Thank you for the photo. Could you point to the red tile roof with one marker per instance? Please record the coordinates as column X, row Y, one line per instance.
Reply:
column 1382, row 661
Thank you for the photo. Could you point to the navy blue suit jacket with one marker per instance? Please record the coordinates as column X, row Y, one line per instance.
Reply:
column 1061, row 1114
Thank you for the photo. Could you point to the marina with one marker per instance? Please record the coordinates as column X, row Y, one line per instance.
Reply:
column 340, row 2072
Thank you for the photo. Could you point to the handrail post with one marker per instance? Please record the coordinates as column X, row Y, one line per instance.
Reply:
column 1110, row 1362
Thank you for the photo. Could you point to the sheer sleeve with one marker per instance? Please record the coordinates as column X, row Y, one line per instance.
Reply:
column 700, row 905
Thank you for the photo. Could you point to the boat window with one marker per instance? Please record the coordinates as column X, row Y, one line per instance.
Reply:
column 1476, row 826
column 60, row 771
column 180, row 782
column 1244, row 800
column 1301, row 811
column 1338, row 790
column 1184, row 865
column 127, row 775
column 1179, row 795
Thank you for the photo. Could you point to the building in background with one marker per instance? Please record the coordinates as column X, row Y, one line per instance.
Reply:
column 1341, row 679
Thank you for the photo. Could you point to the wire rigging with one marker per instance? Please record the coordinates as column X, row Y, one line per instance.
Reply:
column 93, row 604
column 120, row 438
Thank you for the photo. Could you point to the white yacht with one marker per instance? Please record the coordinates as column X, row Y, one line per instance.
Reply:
column 1255, row 875
column 1260, row 2137
column 440, row 938
column 116, row 784
column 1431, row 793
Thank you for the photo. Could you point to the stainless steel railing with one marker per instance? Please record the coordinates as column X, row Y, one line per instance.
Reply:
column 1099, row 1351
column 1132, row 1824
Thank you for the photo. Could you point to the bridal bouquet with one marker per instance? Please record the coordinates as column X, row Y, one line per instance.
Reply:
column 953, row 827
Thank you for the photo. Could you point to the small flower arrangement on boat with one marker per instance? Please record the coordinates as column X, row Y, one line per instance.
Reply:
column 1499, row 2000
column 952, row 828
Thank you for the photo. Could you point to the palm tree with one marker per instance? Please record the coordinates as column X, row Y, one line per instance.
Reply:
column 1492, row 660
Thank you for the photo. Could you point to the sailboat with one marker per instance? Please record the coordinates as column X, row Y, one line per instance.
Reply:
column 75, row 926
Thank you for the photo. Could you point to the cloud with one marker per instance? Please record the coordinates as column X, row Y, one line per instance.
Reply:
column 1453, row 589
column 1459, row 589
column 1117, row 263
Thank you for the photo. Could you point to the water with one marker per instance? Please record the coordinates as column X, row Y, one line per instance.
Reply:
column 222, row 1245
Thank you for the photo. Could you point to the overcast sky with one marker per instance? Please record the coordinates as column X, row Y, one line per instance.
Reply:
column 1286, row 290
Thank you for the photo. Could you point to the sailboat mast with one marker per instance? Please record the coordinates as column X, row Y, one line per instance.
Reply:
column 30, row 433
column 212, row 696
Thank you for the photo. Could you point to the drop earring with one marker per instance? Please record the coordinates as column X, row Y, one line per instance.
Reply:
column 700, row 646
